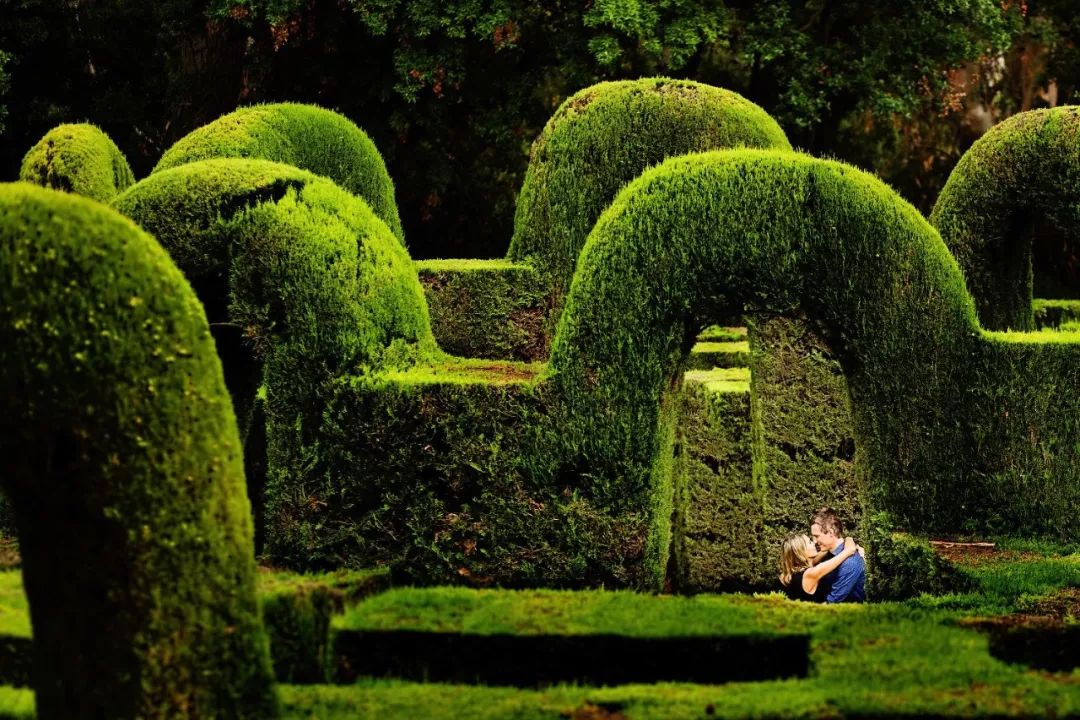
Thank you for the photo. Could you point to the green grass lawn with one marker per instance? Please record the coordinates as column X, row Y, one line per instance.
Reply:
column 915, row 658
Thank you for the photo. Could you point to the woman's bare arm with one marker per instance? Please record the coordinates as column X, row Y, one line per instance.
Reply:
column 815, row 573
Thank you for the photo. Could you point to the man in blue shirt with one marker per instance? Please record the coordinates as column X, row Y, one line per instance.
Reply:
column 848, row 582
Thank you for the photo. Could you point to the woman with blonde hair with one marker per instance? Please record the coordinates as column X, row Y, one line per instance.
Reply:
column 802, row 567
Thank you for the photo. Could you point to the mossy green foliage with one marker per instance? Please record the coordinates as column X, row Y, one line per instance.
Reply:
column 718, row 510
column 312, row 284
column 709, row 355
column 78, row 158
column 939, row 410
column 305, row 136
column 1023, row 171
column 1058, row 314
column 804, row 452
column 124, row 473
column 297, row 610
column 486, row 308
column 604, row 136
column 901, row 566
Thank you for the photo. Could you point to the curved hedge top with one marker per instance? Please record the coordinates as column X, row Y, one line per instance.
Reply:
column 314, row 282
column 1024, row 168
column 123, row 467
column 309, row 137
column 602, row 138
column 78, row 158
column 705, row 236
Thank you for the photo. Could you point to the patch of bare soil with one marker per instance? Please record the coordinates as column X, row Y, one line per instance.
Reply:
column 593, row 711
column 978, row 553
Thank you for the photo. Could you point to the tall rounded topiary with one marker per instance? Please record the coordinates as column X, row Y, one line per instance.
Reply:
column 80, row 159
column 123, row 465
column 306, row 136
column 602, row 138
column 708, row 235
column 304, row 284
column 1025, row 169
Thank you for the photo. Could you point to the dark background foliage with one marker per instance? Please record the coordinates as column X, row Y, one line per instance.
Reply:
column 454, row 91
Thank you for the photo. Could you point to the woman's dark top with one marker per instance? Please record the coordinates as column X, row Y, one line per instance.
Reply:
column 795, row 591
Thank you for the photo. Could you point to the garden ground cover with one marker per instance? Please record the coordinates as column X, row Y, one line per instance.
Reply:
column 924, row 657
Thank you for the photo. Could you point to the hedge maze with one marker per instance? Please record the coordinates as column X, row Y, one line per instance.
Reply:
column 588, row 411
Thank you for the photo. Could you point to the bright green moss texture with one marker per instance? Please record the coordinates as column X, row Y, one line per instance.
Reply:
column 80, row 159
column 603, row 137
column 938, row 409
column 124, row 470
column 303, row 285
column 1024, row 170
column 305, row 136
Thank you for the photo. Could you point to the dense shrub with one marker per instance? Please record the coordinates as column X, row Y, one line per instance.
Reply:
column 1022, row 172
column 304, row 285
column 939, row 408
column 602, row 138
column 305, row 136
column 80, row 159
column 124, row 470
column 900, row 566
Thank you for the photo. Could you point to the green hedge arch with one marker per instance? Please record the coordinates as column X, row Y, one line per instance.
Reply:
column 124, row 469
column 939, row 408
column 78, row 158
column 1023, row 169
column 305, row 136
column 602, row 138
column 303, row 285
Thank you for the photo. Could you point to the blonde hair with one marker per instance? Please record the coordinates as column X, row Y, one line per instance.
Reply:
column 794, row 556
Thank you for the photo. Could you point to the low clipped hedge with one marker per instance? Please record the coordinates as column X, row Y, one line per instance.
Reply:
column 124, row 472
column 603, row 137
column 78, row 158
column 305, row 136
column 1024, row 170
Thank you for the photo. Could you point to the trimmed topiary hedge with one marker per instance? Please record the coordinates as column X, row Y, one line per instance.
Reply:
column 939, row 408
column 603, row 137
column 1023, row 171
column 305, row 136
column 124, row 471
column 304, row 284
column 80, row 159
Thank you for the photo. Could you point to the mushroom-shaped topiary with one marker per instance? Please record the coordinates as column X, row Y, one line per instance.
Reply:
column 306, row 136
column 80, row 159
column 1025, row 169
column 123, row 465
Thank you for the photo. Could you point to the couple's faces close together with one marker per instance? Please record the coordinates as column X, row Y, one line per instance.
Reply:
column 824, row 540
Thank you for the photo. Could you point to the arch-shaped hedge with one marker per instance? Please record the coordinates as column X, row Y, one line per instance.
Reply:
column 1023, row 169
column 768, row 232
column 602, row 138
column 123, row 466
column 305, row 136
column 78, row 158
column 306, row 282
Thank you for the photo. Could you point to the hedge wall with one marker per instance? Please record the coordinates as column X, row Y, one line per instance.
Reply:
column 305, row 136
column 124, row 470
column 939, row 409
column 1023, row 171
column 80, row 159
column 303, row 282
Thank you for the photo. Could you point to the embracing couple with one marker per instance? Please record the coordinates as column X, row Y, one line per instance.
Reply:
column 830, row 568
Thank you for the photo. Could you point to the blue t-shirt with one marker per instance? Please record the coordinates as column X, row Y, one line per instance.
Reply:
column 848, row 582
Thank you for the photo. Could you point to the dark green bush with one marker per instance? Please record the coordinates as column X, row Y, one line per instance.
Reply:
column 124, row 471
column 900, row 566
column 305, row 136
column 1023, row 171
column 80, row 159
column 602, row 138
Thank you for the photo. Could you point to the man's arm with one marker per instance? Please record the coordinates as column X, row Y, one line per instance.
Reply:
column 846, row 576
